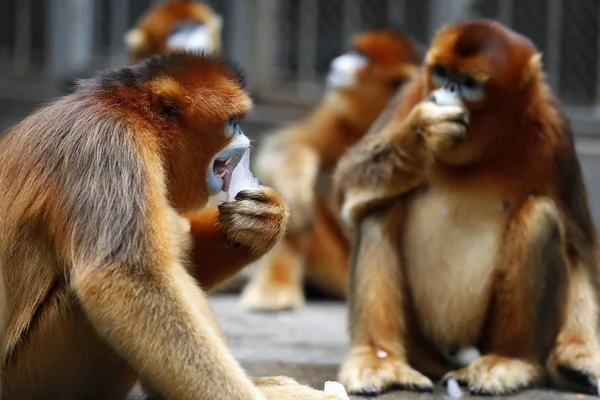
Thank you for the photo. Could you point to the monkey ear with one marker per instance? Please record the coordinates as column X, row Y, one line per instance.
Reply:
column 534, row 68
column 167, row 96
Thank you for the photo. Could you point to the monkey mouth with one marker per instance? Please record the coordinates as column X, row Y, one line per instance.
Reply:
column 223, row 169
column 220, row 172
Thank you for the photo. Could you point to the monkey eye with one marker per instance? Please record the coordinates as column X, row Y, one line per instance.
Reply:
column 471, row 90
column 439, row 75
column 233, row 125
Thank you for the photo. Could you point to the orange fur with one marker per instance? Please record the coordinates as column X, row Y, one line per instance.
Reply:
column 495, row 232
column 97, row 254
column 150, row 35
column 293, row 159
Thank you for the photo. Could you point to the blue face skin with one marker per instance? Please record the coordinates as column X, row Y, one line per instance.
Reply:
column 235, row 149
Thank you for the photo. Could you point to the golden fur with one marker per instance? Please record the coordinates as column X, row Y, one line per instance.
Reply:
column 297, row 160
column 478, row 216
column 103, row 233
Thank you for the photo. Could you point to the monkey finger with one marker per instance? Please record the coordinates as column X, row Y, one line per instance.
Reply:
column 456, row 131
column 430, row 114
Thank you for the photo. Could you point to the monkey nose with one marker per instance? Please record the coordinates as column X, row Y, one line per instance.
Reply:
column 451, row 87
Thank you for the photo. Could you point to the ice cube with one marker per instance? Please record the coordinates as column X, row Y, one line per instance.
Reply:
column 242, row 178
column 336, row 389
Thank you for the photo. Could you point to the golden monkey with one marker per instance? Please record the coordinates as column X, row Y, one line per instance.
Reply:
column 472, row 229
column 104, row 240
column 175, row 25
column 298, row 159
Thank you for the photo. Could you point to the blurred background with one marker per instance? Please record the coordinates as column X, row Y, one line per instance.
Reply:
column 286, row 47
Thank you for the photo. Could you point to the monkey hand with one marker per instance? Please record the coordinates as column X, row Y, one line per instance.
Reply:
column 256, row 219
column 441, row 126
column 284, row 388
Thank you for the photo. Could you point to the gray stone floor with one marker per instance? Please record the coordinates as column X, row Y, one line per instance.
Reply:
column 308, row 345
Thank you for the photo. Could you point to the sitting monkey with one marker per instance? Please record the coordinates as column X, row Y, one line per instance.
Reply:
column 472, row 229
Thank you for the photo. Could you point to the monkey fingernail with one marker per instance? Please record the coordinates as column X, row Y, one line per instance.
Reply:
column 370, row 391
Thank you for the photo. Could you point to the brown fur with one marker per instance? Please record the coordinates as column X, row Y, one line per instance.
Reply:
column 98, row 260
column 149, row 36
column 295, row 158
column 495, row 249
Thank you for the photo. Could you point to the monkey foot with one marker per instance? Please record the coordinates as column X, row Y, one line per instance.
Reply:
column 493, row 375
column 262, row 296
column 576, row 365
column 367, row 373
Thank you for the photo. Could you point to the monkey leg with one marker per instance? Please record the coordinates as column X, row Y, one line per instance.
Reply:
column 327, row 254
column 278, row 281
column 527, row 303
column 61, row 357
column 377, row 360
column 574, row 361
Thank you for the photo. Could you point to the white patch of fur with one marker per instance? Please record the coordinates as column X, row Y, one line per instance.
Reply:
column 343, row 69
column 449, row 262
column 135, row 39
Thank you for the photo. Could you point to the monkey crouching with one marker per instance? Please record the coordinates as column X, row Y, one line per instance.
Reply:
column 472, row 229
column 104, row 242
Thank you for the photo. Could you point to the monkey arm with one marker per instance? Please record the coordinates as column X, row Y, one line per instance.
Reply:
column 214, row 258
column 378, row 168
column 292, row 168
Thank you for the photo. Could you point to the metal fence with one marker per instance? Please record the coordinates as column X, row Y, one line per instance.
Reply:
column 287, row 45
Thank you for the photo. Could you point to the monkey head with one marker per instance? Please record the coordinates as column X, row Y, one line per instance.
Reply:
column 175, row 25
column 489, row 71
column 379, row 57
column 189, row 107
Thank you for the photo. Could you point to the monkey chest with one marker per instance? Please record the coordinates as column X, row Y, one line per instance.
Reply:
column 450, row 246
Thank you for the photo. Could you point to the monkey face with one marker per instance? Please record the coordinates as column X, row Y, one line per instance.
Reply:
column 193, row 104
column 175, row 26
column 344, row 69
column 378, row 58
column 195, row 36
column 220, row 172
column 485, row 69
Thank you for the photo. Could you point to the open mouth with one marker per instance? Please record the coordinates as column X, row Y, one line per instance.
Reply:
column 223, row 169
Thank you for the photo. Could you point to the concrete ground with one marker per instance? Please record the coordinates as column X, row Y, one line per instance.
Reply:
column 309, row 345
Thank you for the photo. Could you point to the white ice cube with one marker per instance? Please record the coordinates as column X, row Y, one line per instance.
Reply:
column 453, row 388
column 242, row 178
column 336, row 389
